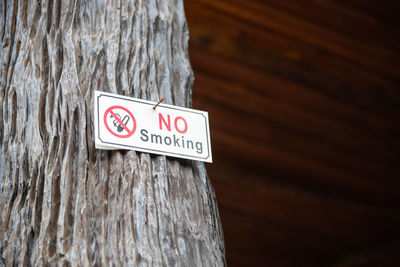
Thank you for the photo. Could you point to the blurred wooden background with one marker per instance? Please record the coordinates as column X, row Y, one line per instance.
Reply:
column 304, row 105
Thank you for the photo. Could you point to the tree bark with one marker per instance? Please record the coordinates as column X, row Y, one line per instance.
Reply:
column 61, row 200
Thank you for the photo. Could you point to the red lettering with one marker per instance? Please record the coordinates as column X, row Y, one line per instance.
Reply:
column 167, row 124
column 176, row 125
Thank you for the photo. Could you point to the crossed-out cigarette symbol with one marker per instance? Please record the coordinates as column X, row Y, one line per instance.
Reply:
column 125, row 121
column 118, row 126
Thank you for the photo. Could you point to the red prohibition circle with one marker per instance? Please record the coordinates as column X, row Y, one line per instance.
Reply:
column 130, row 132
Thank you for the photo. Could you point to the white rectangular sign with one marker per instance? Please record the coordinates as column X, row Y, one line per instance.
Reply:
column 129, row 123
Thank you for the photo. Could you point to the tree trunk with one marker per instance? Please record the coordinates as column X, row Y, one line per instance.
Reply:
column 61, row 200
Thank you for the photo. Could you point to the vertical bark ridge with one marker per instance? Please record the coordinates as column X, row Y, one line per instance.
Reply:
column 61, row 200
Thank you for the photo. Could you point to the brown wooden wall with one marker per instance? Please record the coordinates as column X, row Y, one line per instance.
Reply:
column 304, row 105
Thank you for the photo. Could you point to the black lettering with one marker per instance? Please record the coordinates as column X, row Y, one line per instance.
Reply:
column 167, row 140
column 189, row 142
column 199, row 147
column 144, row 136
column 157, row 138
column 176, row 141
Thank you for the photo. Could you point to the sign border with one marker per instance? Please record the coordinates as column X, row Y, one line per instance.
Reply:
column 100, row 94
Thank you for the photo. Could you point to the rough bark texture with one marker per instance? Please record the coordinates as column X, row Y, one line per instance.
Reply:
column 63, row 201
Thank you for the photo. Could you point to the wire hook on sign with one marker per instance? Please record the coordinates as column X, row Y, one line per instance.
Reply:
column 162, row 99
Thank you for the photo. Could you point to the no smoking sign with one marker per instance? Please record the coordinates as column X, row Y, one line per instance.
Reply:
column 129, row 123
column 119, row 121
